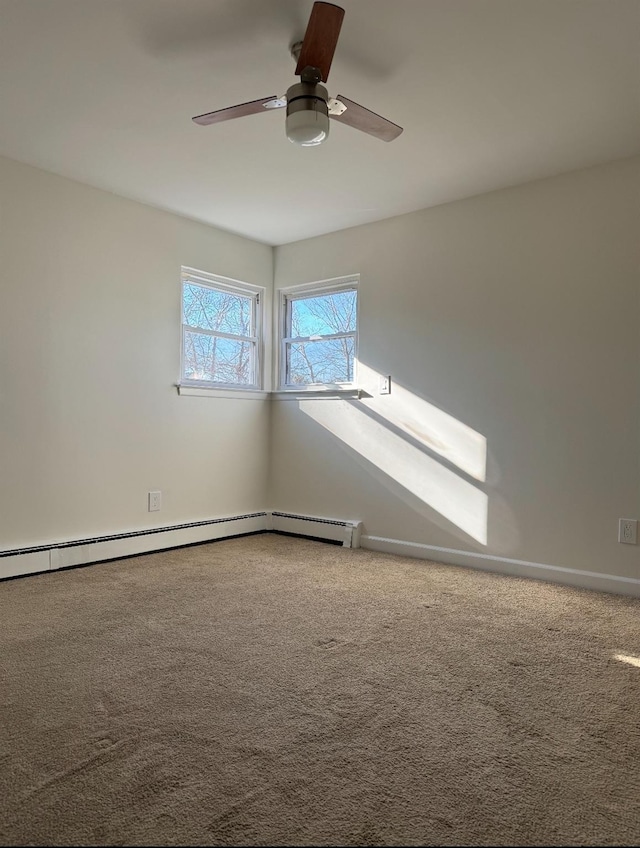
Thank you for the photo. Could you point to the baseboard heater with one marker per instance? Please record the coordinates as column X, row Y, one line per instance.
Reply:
column 55, row 555
column 345, row 533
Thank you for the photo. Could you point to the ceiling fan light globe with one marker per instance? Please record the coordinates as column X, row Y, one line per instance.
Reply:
column 307, row 122
column 307, row 128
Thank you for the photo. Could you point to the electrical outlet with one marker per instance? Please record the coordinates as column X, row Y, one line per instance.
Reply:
column 155, row 501
column 385, row 385
column 628, row 531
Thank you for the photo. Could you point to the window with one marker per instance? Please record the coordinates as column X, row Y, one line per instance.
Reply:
column 318, row 346
column 220, row 332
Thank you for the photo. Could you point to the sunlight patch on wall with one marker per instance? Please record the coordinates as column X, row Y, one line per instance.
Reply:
column 453, row 497
column 437, row 430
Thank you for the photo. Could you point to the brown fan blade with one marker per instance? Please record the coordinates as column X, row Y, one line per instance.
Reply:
column 359, row 118
column 320, row 39
column 252, row 108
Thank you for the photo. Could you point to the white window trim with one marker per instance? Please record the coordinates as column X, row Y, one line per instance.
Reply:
column 215, row 281
column 304, row 290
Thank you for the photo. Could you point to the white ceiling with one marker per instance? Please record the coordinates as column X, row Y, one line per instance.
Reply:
column 490, row 93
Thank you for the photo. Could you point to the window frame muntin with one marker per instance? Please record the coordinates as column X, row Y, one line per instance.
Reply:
column 226, row 284
column 306, row 291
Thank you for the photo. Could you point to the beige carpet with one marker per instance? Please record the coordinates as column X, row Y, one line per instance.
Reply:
column 277, row 691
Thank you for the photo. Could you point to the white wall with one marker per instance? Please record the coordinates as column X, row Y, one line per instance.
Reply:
column 90, row 419
column 508, row 322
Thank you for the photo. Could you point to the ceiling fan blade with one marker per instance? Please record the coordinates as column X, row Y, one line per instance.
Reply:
column 359, row 118
column 252, row 108
column 320, row 39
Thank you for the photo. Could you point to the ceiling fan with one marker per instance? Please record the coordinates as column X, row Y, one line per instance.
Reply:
column 308, row 104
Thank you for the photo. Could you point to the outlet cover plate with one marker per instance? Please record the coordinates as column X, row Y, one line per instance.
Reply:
column 628, row 531
column 155, row 501
column 385, row 385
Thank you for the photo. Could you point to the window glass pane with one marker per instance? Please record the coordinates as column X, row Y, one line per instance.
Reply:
column 217, row 360
column 211, row 309
column 323, row 315
column 329, row 361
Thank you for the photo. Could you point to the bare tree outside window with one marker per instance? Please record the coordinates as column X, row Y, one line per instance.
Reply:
column 321, row 330
column 219, row 344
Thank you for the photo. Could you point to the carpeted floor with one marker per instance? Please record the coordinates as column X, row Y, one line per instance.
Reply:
column 277, row 691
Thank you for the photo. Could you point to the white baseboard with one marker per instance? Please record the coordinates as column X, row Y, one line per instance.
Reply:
column 54, row 555
column 503, row 565
column 25, row 562
column 347, row 533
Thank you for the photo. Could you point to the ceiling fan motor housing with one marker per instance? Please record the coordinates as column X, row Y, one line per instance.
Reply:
column 307, row 121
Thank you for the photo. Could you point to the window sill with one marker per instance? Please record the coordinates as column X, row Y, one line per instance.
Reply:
column 260, row 394
column 315, row 394
column 235, row 394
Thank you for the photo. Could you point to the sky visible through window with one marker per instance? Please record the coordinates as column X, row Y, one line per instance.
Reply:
column 213, row 309
column 216, row 358
column 318, row 360
column 219, row 330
